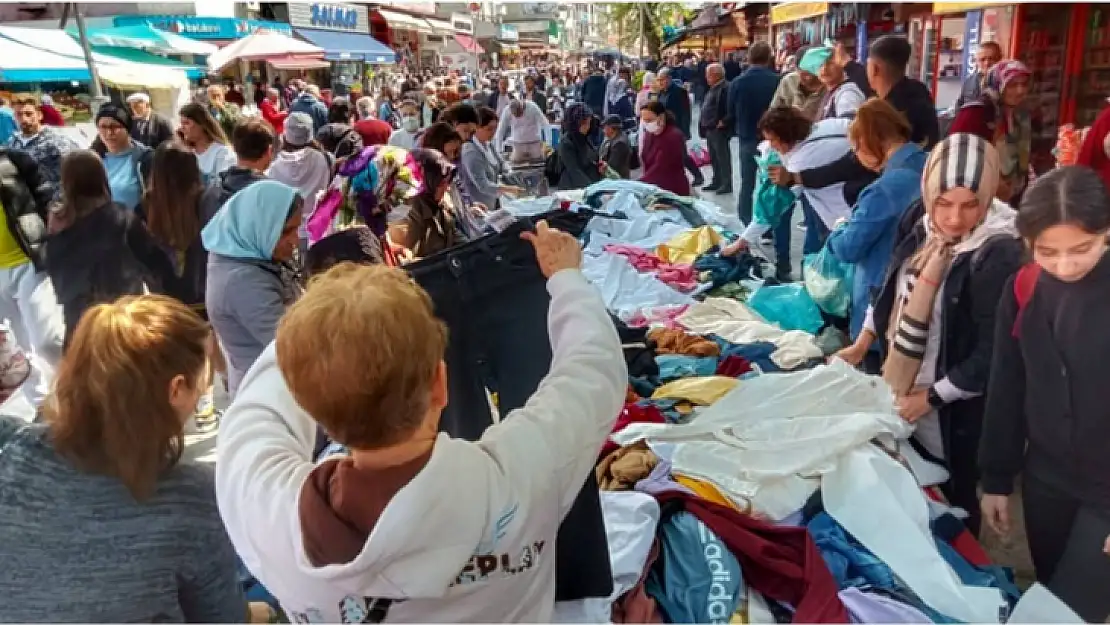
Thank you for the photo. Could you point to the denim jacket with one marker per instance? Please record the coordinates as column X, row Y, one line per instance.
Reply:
column 868, row 238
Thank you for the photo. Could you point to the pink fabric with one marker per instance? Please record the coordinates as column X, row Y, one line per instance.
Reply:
column 665, row 316
column 681, row 277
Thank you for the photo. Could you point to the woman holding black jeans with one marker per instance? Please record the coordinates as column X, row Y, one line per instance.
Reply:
column 1047, row 418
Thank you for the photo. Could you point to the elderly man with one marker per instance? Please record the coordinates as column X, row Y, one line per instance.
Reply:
column 989, row 54
column 714, row 125
column 525, row 126
column 499, row 100
column 800, row 89
column 147, row 127
column 226, row 114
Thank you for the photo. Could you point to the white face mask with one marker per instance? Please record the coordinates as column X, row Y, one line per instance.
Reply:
column 411, row 124
column 653, row 127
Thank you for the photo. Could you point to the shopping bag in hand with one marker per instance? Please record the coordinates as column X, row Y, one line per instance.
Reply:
column 829, row 282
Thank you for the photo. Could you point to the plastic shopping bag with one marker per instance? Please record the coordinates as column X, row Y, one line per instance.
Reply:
column 770, row 201
column 828, row 282
column 787, row 306
column 700, row 154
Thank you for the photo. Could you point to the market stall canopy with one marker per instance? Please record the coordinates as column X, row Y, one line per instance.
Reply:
column 146, row 37
column 296, row 64
column 440, row 27
column 261, row 46
column 403, row 21
column 340, row 46
column 468, row 44
column 22, row 63
column 131, row 55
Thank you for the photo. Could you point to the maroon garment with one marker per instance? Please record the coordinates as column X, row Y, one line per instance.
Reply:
column 636, row 606
column 632, row 413
column 373, row 132
column 51, row 116
column 662, row 160
column 974, row 118
column 733, row 367
column 782, row 563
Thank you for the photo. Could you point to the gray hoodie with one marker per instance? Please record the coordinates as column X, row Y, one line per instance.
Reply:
column 308, row 171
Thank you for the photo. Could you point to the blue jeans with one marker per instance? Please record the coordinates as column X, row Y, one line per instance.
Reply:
column 748, row 172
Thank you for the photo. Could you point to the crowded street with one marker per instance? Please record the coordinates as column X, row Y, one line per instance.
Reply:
column 554, row 312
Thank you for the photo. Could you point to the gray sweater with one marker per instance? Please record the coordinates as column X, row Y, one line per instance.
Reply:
column 245, row 300
column 78, row 548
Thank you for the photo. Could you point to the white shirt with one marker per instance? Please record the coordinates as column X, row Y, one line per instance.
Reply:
column 217, row 159
column 403, row 139
column 531, row 127
column 503, row 496
column 503, row 100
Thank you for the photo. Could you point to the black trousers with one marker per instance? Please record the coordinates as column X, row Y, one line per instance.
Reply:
column 720, row 157
column 1066, row 537
column 494, row 300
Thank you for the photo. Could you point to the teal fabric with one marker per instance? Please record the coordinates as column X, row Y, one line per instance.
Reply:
column 696, row 578
column 771, row 201
column 678, row 366
column 123, row 178
column 814, row 58
column 249, row 225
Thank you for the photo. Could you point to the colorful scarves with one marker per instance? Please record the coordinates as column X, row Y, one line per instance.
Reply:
column 1013, row 128
column 961, row 160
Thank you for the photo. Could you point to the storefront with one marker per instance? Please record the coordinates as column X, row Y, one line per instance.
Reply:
column 400, row 25
column 217, row 30
column 343, row 31
column 947, row 40
column 795, row 24
column 508, row 48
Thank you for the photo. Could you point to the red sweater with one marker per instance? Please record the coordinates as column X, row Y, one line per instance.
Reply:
column 662, row 159
column 1092, row 153
column 275, row 117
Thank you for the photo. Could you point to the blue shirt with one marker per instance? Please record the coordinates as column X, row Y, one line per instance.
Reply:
column 750, row 95
column 123, row 178
column 8, row 125
column 868, row 238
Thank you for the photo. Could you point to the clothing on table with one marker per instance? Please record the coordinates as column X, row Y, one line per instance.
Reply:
column 663, row 316
column 736, row 323
column 632, row 413
column 679, row 342
column 733, row 366
column 697, row 579
column 869, row 607
column 636, row 606
column 660, row 480
column 703, row 391
column 850, row 563
column 686, row 247
column 722, row 270
column 493, row 298
column 677, row 366
column 757, row 354
column 782, row 563
column 707, row 491
column 681, row 277
column 621, row 469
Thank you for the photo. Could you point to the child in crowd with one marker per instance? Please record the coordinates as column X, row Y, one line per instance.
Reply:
column 1047, row 418
column 405, row 137
column 413, row 525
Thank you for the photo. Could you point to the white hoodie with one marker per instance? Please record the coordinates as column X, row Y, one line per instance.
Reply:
column 308, row 171
column 472, row 537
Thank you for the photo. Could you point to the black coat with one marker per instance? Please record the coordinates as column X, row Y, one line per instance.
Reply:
column 154, row 133
column 26, row 195
column 617, row 152
column 975, row 283
column 676, row 100
column 579, row 162
column 538, row 97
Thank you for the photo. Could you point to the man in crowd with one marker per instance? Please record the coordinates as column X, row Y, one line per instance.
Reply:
column 800, row 89
column 373, row 130
column 147, row 127
column 309, row 102
column 26, row 298
column 845, row 56
column 713, row 125
column 593, row 90
column 233, row 93
column 45, row 144
column 254, row 143
column 988, row 55
column 464, row 119
column 126, row 161
column 525, row 127
column 676, row 100
column 749, row 98
column 615, row 150
column 886, row 71
column 499, row 100
column 732, row 67
column 226, row 114
column 842, row 97
column 532, row 93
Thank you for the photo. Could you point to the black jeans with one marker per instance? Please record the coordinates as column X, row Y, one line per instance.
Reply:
column 720, row 157
column 1066, row 537
column 494, row 300
column 749, row 170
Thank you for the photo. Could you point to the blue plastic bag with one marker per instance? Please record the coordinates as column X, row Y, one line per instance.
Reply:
column 829, row 282
column 788, row 306
column 770, row 201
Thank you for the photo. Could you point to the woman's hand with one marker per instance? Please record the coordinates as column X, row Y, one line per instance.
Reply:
column 734, row 248
column 914, row 406
column 853, row 354
column 996, row 512
column 555, row 250
column 780, row 176
column 478, row 209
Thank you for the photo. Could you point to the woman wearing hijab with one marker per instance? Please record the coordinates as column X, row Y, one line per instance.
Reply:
column 249, row 242
column 429, row 226
column 644, row 96
column 934, row 317
column 1095, row 151
column 578, row 159
column 1000, row 117
column 620, row 102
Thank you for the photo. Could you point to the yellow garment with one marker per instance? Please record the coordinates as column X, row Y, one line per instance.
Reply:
column 686, row 247
column 11, row 255
column 702, row 391
column 706, row 491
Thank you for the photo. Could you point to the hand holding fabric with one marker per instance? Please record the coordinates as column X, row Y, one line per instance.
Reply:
column 555, row 250
column 915, row 405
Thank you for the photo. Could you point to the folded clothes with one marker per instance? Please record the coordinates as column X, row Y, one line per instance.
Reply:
column 624, row 467
column 679, row 342
column 681, row 277
column 664, row 316
column 700, row 391
column 677, row 366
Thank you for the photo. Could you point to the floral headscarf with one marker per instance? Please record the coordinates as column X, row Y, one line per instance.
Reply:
column 1013, row 128
column 367, row 185
column 1003, row 73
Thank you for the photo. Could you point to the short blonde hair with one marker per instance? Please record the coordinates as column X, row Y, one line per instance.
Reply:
column 359, row 352
column 877, row 126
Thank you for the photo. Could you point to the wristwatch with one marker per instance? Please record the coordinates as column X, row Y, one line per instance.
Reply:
column 934, row 398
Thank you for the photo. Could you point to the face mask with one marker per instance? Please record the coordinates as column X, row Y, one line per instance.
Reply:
column 410, row 124
column 653, row 127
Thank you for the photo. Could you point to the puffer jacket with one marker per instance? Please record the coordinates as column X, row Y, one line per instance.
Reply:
column 25, row 193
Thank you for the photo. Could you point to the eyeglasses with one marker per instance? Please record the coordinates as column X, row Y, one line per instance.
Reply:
column 110, row 128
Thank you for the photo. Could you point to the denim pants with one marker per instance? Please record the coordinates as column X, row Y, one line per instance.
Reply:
column 748, row 172
column 720, row 157
column 492, row 297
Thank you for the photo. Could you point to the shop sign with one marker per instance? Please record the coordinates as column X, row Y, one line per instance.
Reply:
column 553, row 36
column 794, row 11
column 508, row 33
column 203, row 27
column 972, row 24
column 942, row 8
column 538, row 9
column 462, row 23
column 324, row 16
column 532, row 27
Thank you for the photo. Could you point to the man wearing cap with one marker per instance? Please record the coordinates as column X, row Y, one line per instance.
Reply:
column 800, row 89
column 147, row 127
column 842, row 97
column 126, row 160
column 615, row 150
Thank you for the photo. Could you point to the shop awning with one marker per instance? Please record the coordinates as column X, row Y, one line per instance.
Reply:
column 21, row 63
column 146, row 37
column 467, row 42
column 294, row 63
column 262, row 46
column 339, row 46
column 944, row 8
column 141, row 56
column 793, row 11
column 440, row 27
column 403, row 21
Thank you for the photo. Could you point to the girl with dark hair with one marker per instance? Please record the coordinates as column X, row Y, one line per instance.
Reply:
column 97, row 250
column 1047, row 419
column 577, row 157
column 664, row 145
column 429, row 226
column 175, row 220
column 204, row 136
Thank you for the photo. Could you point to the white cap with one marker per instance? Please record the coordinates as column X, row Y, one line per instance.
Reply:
column 138, row 97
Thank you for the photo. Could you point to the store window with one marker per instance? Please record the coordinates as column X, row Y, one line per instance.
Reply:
column 997, row 27
column 1094, row 82
column 1043, row 51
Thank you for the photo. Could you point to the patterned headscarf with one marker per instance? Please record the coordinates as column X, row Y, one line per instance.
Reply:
column 573, row 116
column 1013, row 128
column 1003, row 73
column 960, row 160
column 435, row 169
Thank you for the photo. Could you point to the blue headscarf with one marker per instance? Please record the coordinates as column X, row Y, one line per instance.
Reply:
column 249, row 225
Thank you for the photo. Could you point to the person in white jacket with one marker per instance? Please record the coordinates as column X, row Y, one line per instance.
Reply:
column 413, row 526
column 303, row 166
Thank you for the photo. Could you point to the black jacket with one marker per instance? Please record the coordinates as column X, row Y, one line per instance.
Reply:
column 617, row 152
column 340, row 140
column 579, row 162
column 676, row 99
column 102, row 256
column 26, row 195
column 975, row 282
column 857, row 73
column 538, row 97
column 1047, row 413
column 153, row 133
column 227, row 184
column 912, row 97
column 715, row 109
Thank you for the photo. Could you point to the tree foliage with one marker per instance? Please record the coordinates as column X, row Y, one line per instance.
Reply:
column 655, row 16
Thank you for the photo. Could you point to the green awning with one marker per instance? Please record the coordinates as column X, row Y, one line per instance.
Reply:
column 141, row 56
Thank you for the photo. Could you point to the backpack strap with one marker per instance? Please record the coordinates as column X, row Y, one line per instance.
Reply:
column 1025, row 283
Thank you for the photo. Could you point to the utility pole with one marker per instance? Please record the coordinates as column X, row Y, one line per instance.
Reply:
column 94, row 79
column 643, row 28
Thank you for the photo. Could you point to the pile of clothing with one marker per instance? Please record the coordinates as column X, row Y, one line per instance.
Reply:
column 746, row 479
